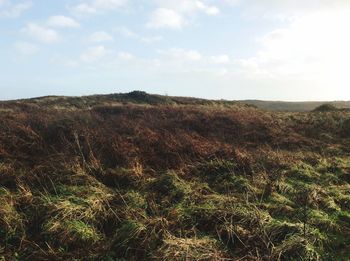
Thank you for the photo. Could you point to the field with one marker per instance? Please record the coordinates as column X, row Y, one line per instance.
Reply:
column 144, row 177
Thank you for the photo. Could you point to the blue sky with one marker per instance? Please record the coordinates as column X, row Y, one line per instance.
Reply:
column 221, row 49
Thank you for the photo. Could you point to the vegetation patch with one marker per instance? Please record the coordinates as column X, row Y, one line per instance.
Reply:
column 145, row 177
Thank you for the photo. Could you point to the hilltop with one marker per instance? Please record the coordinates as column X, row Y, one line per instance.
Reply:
column 140, row 97
column 135, row 97
column 147, row 177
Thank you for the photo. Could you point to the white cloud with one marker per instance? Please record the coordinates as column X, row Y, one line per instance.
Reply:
column 100, row 37
column 10, row 10
column 83, row 9
column 313, row 49
column 166, row 18
column 209, row 10
column 97, row 6
column 41, row 33
column 181, row 54
column 220, row 59
column 108, row 4
column 286, row 9
column 26, row 48
column 126, row 32
column 188, row 6
column 178, row 60
column 62, row 21
column 177, row 13
column 93, row 54
column 125, row 56
column 151, row 39
column 232, row 2
column 192, row 61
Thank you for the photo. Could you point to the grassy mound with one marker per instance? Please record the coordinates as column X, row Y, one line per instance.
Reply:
column 142, row 177
column 325, row 107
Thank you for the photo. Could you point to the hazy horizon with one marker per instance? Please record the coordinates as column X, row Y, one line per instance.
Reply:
column 228, row 49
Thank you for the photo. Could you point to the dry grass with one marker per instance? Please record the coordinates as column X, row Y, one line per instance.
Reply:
column 140, row 177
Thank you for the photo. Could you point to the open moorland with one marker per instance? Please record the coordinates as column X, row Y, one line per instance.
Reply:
column 145, row 177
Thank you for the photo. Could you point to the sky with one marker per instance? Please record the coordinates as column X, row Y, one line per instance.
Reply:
column 292, row 50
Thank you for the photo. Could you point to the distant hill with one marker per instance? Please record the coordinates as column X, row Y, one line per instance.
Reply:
column 116, row 99
column 294, row 106
column 140, row 97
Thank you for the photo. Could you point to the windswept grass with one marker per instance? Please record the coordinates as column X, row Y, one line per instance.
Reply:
column 142, row 177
